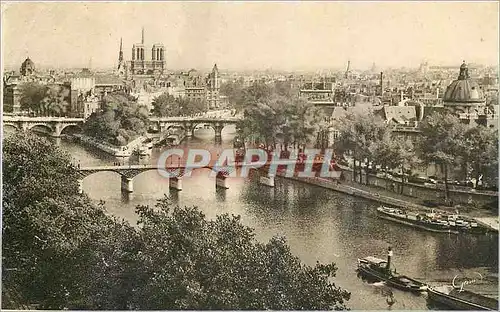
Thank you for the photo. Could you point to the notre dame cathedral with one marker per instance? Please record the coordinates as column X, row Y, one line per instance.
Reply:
column 140, row 63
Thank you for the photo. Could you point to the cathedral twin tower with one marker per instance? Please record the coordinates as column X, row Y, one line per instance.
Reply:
column 139, row 65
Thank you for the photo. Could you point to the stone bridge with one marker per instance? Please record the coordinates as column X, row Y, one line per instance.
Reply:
column 54, row 126
column 189, row 124
column 128, row 172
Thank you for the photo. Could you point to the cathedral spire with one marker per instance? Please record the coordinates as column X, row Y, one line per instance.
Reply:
column 120, row 55
column 142, row 40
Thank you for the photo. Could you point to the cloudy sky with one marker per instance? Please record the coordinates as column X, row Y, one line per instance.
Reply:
column 253, row 35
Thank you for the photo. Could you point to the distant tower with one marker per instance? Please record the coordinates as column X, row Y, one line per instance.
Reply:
column 141, row 64
column 213, row 87
column 381, row 83
column 348, row 70
column 121, row 64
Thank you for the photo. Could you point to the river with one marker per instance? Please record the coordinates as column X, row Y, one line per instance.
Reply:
column 319, row 225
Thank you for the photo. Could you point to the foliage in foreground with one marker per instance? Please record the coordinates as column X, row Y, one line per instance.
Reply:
column 60, row 251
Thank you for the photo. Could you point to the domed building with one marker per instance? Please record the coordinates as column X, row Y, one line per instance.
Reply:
column 464, row 95
column 27, row 67
column 466, row 98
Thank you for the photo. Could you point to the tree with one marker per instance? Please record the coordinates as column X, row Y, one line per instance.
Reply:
column 398, row 153
column 165, row 105
column 53, row 240
column 362, row 134
column 442, row 142
column 32, row 94
column 44, row 100
column 234, row 92
column 55, row 101
column 189, row 262
column 120, row 121
column 60, row 251
column 481, row 153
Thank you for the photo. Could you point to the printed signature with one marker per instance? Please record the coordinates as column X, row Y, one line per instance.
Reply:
column 466, row 281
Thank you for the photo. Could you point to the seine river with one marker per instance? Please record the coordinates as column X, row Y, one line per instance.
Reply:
column 319, row 225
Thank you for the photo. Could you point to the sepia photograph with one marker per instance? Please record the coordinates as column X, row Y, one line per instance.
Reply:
column 249, row 155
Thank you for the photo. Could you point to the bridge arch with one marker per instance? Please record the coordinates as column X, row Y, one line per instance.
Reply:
column 11, row 126
column 88, row 174
column 38, row 126
column 65, row 127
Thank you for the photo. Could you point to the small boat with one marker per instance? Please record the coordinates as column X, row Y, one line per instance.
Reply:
column 377, row 269
column 461, row 299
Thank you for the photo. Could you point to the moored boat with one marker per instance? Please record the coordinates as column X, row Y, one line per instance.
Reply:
column 461, row 299
column 434, row 222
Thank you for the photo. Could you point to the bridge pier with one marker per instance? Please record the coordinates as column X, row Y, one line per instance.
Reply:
column 267, row 180
column 175, row 183
column 221, row 181
column 80, row 186
column 127, row 185
column 218, row 132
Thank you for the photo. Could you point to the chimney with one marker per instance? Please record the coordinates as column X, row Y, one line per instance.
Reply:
column 389, row 256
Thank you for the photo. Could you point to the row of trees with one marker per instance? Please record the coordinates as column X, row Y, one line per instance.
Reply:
column 444, row 141
column 44, row 100
column 120, row 120
column 61, row 251
column 167, row 105
column 273, row 114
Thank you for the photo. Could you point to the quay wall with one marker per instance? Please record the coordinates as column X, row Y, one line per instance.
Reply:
column 427, row 192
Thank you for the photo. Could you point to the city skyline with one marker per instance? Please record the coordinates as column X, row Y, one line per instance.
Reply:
column 245, row 36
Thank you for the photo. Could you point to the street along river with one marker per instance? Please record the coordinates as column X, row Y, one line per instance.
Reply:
column 319, row 225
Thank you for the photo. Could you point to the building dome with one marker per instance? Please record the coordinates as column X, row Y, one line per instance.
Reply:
column 28, row 67
column 464, row 89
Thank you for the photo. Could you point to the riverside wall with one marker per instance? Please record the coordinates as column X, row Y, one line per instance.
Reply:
column 429, row 192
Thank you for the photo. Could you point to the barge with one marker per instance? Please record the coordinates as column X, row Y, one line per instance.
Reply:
column 434, row 222
column 461, row 299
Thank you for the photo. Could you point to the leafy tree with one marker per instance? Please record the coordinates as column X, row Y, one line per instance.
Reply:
column 481, row 153
column 398, row 153
column 164, row 105
column 60, row 251
column 32, row 94
column 362, row 134
column 442, row 142
column 44, row 100
column 53, row 239
column 55, row 101
column 120, row 121
column 189, row 262
column 234, row 92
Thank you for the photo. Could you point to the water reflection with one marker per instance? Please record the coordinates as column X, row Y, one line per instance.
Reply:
column 320, row 225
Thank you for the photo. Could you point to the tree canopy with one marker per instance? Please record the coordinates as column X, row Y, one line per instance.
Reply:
column 61, row 251
column 44, row 100
column 272, row 115
column 120, row 121
column 166, row 105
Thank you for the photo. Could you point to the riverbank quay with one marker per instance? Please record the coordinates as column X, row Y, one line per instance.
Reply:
column 117, row 151
column 485, row 217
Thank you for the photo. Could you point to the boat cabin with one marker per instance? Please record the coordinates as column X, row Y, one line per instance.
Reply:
column 374, row 263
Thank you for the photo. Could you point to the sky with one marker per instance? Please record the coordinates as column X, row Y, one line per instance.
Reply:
column 253, row 35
